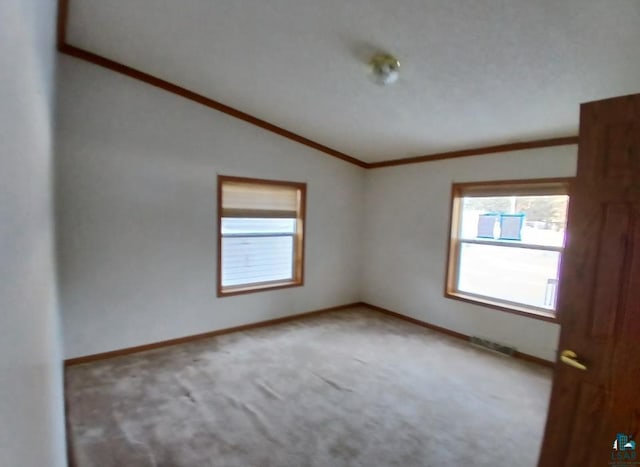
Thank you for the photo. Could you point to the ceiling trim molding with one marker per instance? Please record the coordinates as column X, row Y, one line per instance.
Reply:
column 82, row 54
column 535, row 144
column 61, row 29
column 200, row 99
column 77, row 52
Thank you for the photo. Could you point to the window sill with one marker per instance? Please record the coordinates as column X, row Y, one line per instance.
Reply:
column 251, row 288
column 496, row 305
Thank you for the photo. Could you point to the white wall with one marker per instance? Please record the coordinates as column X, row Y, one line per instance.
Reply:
column 31, row 407
column 136, row 209
column 406, row 235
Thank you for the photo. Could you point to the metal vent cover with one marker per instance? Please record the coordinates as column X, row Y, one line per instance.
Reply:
column 493, row 346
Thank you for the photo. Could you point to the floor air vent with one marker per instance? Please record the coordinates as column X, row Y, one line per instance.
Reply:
column 493, row 346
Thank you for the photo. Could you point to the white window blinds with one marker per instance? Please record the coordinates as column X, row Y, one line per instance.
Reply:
column 256, row 200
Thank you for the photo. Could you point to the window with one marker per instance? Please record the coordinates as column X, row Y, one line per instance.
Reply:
column 507, row 240
column 260, row 234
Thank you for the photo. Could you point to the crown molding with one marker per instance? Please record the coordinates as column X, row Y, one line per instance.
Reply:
column 534, row 144
column 64, row 47
column 77, row 52
column 200, row 99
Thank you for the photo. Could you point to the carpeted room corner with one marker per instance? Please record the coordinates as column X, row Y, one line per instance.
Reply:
column 353, row 387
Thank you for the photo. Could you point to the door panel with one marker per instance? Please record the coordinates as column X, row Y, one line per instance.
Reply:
column 610, row 266
column 599, row 297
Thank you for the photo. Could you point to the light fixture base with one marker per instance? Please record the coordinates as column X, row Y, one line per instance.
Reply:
column 385, row 68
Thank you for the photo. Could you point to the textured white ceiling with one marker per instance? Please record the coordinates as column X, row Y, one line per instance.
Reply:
column 473, row 73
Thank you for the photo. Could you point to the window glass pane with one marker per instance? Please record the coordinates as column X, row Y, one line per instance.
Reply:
column 232, row 225
column 519, row 275
column 537, row 220
column 247, row 260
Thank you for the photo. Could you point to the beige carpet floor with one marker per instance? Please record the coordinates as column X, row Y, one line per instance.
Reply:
column 347, row 388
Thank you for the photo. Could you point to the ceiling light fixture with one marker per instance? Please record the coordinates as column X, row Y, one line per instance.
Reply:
column 385, row 68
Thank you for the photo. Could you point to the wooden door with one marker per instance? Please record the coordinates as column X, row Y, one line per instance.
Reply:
column 599, row 298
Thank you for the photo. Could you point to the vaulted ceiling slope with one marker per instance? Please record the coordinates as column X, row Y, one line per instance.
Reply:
column 473, row 73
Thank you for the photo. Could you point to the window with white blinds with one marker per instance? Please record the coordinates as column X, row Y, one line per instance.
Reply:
column 261, row 234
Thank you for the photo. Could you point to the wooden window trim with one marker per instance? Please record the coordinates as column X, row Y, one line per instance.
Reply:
column 299, row 240
column 526, row 187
